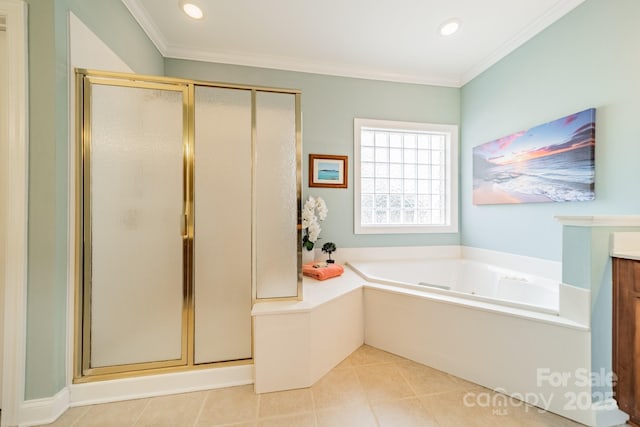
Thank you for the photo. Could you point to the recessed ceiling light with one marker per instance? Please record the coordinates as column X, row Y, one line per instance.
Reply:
column 449, row 27
column 191, row 9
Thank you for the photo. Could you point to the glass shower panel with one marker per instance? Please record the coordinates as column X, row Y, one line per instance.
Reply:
column 137, row 202
column 222, row 242
column 276, row 198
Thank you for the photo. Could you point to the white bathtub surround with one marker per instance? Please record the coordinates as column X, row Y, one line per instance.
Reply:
column 462, row 278
column 575, row 304
column 515, row 349
column 514, row 353
column 297, row 342
column 529, row 265
column 342, row 255
column 535, row 266
column 485, row 286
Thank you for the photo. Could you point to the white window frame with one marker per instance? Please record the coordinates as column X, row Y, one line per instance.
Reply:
column 451, row 193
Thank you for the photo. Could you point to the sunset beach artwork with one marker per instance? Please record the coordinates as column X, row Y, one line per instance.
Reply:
column 553, row 162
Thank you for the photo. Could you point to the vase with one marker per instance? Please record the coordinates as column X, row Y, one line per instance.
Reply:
column 307, row 256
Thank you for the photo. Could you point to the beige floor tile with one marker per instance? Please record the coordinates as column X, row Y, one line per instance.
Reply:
column 465, row 408
column 403, row 412
column 352, row 416
column 299, row 420
column 383, row 382
column 70, row 417
column 464, row 384
column 556, row 420
column 245, row 424
column 426, row 380
column 527, row 416
column 370, row 388
column 285, row 403
column 346, row 363
column 117, row 414
column 179, row 410
column 228, row 406
column 339, row 388
column 367, row 355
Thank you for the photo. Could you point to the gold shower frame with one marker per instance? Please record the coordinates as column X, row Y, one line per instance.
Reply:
column 83, row 372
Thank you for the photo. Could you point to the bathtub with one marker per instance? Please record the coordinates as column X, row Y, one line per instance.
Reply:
column 469, row 279
column 505, row 328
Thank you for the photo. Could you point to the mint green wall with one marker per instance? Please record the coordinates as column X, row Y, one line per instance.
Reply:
column 586, row 59
column 329, row 105
column 48, row 169
column 111, row 21
column 46, row 275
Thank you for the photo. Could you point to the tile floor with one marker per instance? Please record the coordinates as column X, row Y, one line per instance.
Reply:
column 369, row 388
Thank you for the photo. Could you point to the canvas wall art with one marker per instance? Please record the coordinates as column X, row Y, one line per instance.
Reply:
column 553, row 162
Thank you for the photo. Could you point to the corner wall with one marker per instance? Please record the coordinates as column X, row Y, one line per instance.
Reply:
column 49, row 170
column 586, row 59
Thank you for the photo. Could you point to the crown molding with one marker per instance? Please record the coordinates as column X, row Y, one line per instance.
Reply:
column 305, row 66
column 552, row 15
column 140, row 14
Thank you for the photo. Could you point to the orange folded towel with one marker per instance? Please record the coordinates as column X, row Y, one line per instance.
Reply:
column 322, row 273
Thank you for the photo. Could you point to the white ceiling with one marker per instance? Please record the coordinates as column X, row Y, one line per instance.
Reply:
column 394, row 40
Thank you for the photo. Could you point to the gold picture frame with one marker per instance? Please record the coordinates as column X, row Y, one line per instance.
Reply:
column 328, row 171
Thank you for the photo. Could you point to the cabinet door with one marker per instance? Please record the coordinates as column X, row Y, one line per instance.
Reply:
column 626, row 336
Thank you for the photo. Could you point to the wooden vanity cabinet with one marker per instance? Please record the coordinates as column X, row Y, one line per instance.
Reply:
column 626, row 336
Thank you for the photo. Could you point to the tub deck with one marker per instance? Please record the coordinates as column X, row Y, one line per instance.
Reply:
column 494, row 345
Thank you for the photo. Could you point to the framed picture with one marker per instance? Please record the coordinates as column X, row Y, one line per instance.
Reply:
column 328, row 171
column 553, row 162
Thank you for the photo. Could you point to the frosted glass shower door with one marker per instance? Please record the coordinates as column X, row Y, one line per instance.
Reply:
column 134, row 177
column 222, row 241
column 276, row 195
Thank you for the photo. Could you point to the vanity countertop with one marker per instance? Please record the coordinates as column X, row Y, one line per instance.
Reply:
column 625, row 245
column 634, row 255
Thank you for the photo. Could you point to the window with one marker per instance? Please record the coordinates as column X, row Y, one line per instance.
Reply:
column 405, row 177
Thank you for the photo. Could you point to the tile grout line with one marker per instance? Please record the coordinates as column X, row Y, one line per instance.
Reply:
column 413, row 390
column 199, row 414
column 314, row 406
column 402, row 375
column 142, row 412
column 375, row 417
column 75, row 423
column 258, row 402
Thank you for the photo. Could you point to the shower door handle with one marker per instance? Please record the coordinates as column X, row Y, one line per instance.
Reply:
column 184, row 226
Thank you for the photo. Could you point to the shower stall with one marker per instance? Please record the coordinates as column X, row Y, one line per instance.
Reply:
column 188, row 212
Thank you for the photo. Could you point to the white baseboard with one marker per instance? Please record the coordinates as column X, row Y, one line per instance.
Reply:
column 159, row 385
column 45, row 411
column 607, row 414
